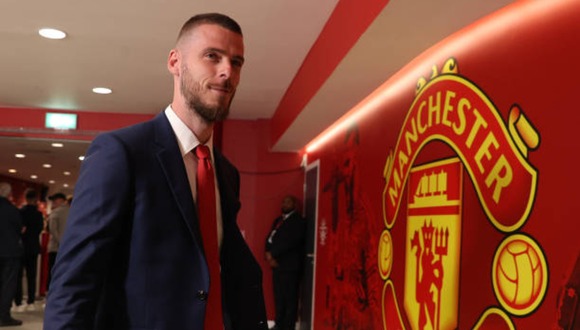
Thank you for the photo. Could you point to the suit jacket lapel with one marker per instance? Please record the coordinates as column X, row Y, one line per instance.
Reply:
column 171, row 162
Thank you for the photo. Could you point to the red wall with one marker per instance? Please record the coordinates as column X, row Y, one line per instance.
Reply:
column 512, row 253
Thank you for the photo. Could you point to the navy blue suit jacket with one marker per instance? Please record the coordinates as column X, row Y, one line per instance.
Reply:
column 132, row 255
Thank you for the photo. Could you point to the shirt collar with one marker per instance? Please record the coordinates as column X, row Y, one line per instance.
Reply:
column 287, row 215
column 186, row 140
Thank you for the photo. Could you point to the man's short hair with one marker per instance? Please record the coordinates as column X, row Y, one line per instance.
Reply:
column 210, row 18
column 57, row 196
column 31, row 194
column 5, row 189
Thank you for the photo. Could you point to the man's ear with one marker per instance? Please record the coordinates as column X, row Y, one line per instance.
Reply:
column 173, row 62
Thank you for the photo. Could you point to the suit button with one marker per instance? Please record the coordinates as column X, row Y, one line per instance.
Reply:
column 201, row 295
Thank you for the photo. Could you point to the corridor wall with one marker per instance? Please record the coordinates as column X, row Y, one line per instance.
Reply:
column 448, row 197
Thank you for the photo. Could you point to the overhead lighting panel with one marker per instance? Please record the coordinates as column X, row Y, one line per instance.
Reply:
column 51, row 33
column 102, row 90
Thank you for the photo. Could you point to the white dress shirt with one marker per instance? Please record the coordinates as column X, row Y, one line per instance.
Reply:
column 187, row 141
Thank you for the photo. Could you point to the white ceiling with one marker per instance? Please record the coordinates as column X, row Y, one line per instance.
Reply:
column 124, row 45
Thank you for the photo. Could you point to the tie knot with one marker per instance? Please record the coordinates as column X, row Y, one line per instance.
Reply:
column 202, row 152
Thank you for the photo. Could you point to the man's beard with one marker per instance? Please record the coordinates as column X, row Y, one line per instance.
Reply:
column 207, row 112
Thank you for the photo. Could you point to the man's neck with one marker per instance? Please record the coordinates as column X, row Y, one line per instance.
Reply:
column 198, row 126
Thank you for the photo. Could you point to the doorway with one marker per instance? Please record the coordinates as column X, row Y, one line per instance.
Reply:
column 310, row 213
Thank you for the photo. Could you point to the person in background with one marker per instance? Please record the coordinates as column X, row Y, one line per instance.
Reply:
column 11, row 252
column 285, row 254
column 33, row 224
column 44, row 271
column 136, row 252
column 56, row 223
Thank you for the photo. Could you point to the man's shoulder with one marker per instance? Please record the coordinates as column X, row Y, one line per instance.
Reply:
column 30, row 211
column 137, row 129
column 60, row 211
column 137, row 137
column 296, row 216
column 8, row 206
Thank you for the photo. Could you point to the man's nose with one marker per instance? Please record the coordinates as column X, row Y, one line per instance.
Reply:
column 225, row 70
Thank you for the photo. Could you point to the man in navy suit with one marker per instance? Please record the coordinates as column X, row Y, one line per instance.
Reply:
column 132, row 255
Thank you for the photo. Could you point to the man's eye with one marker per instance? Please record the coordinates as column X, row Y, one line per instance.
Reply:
column 212, row 56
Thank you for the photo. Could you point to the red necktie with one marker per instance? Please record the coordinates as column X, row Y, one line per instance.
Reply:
column 206, row 205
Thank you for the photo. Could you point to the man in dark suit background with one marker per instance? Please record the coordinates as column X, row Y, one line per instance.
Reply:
column 10, row 253
column 285, row 254
column 132, row 255
column 32, row 220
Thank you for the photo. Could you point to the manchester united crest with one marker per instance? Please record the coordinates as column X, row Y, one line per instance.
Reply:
column 451, row 109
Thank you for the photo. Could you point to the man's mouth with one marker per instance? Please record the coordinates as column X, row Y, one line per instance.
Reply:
column 223, row 89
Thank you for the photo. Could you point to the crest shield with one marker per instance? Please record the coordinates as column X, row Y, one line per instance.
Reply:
column 433, row 243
